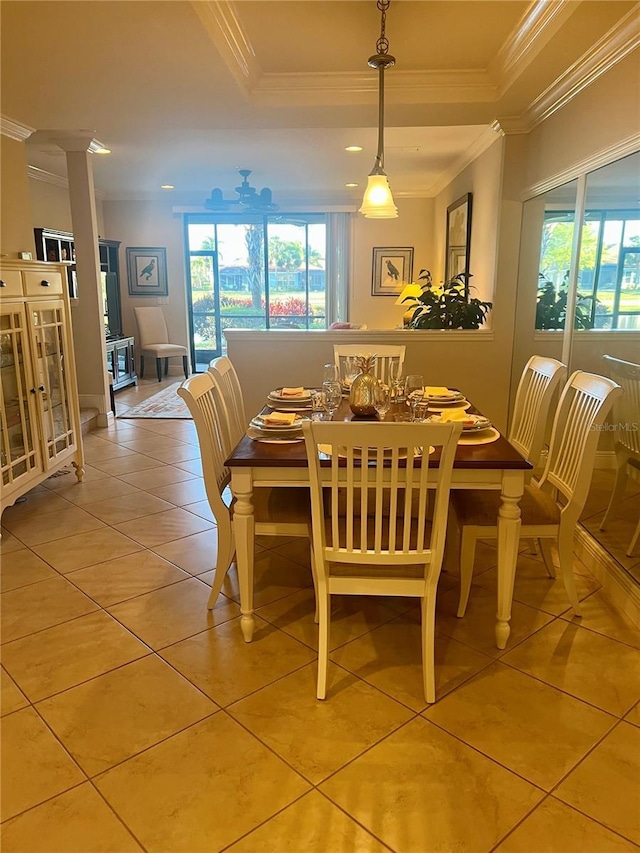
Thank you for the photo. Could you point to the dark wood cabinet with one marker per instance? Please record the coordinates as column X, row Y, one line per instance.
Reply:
column 121, row 361
column 57, row 247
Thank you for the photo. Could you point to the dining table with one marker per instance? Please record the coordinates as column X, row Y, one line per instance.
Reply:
column 496, row 465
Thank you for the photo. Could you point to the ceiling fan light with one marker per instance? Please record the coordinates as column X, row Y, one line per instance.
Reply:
column 378, row 202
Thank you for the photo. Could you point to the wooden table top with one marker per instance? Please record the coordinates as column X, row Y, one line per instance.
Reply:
column 249, row 453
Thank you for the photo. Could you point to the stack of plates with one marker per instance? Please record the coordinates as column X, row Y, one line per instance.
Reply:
column 275, row 400
column 451, row 397
column 260, row 430
column 471, row 423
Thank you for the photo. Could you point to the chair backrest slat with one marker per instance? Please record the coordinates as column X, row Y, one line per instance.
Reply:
column 626, row 409
column 540, row 379
column 229, row 390
column 386, row 355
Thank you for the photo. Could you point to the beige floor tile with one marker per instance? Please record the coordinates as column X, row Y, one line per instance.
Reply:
column 65, row 480
column 606, row 786
column 163, row 527
column 34, row 765
column 86, row 549
column 226, row 668
column 77, row 821
column 312, row 823
column 34, row 503
column 634, row 715
column 168, row 615
column 100, row 452
column 41, row 605
column 126, row 577
column 305, row 731
column 120, row 713
column 555, row 828
column 591, row 667
column 187, row 492
column 175, row 455
column 297, row 550
column 201, row 789
column 274, row 578
column 529, row 727
column 618, row 534
column 99, row 490
column 53, row 525
column 194, row 466
column 351, row 616
column 127, row 507
column 419, row 790
column 127, row 464
column 11, row 697
column 201, row 508
column 195, row 554
column 477, row 628
column 536, row 589
column 156, row 477
column 151, row 442
column 600, row 615
column 61, row 657
column 9, row 543
column 390, row 658
column 21, row 568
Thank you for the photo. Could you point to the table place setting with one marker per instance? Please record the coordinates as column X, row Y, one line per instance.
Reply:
column 276, row 427
column 289, row 399
column 476, row 429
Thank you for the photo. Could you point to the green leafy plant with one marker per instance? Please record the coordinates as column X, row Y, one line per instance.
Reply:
column 551, row 308
column 448, row 306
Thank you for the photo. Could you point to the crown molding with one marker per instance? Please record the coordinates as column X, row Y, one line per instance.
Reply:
column 15, row 130
column 624, row 148
column 614, row 46
column 484, row 141
column 540, row 22
column 222, row 22
column 37, row 174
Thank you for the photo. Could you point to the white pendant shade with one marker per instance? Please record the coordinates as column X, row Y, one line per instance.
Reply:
column 378, row 202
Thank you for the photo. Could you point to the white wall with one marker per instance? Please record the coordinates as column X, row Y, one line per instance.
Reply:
column 51, row 207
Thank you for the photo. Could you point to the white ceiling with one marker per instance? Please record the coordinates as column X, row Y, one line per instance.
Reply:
column 186, row 93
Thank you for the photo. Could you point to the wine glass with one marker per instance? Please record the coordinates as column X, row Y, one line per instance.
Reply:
column 317, row 405
column 413, row 389
column 332, row 397
column 382, row 400
column 396, row 380
column 351, row 369
column 330, row 373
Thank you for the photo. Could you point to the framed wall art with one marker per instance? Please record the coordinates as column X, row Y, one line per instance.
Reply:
column 392, row 269
column 147, row 271
column 458, row 237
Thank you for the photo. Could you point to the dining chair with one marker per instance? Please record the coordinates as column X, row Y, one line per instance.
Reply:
column 278, row 511
column 550, row 507
column 226, row 379
column 385, row 356
column 626, row 414
column 375, row 537
column 153, row 340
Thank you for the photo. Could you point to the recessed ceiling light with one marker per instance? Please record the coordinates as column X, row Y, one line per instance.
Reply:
column 167, row 187
column 353, row 148
column 351, row 185
column 102, row 151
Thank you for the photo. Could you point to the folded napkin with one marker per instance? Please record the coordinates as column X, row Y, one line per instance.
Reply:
column 457, row 415
column 438, row 391
column 292, row 392
column 280, row 418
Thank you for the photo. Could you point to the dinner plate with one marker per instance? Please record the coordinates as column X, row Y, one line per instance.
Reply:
column 438, row 407
column 472, row 423
column 485, row 436
column 277, row 395
column 453, row 397
column 260, row 423
column 270, row 438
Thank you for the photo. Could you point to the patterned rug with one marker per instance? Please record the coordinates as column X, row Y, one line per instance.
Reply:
column 164, row 404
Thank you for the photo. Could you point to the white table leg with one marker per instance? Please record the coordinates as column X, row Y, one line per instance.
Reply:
column 508, row 541
column 244, row 533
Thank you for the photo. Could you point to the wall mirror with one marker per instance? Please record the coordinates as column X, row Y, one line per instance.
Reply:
column 606, row 320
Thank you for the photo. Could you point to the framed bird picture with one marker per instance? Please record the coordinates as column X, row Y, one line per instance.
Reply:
column 392, row 269
column 147, row 271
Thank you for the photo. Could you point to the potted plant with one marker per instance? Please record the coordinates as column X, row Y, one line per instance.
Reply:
column 449, row 306
column 551, row 307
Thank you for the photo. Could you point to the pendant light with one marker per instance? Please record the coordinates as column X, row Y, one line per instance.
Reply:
column 378, row 201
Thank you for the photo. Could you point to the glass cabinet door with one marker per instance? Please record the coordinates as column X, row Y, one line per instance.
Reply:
column 52, row 377
column 20, row 453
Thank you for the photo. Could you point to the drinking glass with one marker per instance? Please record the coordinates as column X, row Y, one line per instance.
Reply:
column 351, row 369
column 330, row 373
column 413, row 390
column 332, row 397
column 317, row 405
column 396, row 380
column 382, row 400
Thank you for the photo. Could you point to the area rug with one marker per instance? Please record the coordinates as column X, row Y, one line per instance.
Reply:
column 164, row 404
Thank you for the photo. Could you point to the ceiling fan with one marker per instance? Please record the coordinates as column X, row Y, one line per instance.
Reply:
column 248, row 198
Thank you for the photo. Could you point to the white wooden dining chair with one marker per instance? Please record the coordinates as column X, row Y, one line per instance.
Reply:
column 385, row 356
column 374, row 537
column 278, row 511
column 551, row 507
column 226, row 379
column 626, row 414
column 153, row 340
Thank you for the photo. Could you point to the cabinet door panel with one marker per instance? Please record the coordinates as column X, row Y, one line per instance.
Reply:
column 20, row 452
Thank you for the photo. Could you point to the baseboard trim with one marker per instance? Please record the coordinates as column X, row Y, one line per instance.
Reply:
column 623, row 592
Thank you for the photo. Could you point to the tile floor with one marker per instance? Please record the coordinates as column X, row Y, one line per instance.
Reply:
column 133, row 719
